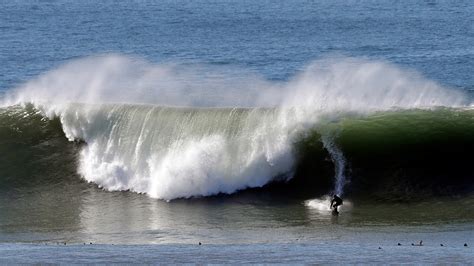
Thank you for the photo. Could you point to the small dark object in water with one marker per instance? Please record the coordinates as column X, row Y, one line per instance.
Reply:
column 465, row 244
column 421, row 243
column 399, row 244
column 441, row 245
column 83, row 243
column 90, row 243
column 199, row 243
column 380, row 248
column 412, row 244
column 64, row 243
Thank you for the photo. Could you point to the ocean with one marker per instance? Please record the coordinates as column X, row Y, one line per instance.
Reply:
column 217, row 131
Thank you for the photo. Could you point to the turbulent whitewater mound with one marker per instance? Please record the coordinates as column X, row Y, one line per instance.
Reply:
column 171, row 133
column 178, row 152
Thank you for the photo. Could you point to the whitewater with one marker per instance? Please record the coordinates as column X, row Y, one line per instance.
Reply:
column 173, row 131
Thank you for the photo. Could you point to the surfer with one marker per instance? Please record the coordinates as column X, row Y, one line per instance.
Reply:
column 335, row 202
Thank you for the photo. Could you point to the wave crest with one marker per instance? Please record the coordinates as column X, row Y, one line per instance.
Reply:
column 229, row 133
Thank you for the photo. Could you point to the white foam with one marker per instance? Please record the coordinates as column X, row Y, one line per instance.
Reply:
column 173, row 152
column 322, row 205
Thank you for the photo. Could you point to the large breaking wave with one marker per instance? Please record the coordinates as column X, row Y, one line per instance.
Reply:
column 171, row 131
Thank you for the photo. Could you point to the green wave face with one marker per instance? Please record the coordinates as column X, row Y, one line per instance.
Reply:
column 393, row 155
column 401, row 155
column 34, row 152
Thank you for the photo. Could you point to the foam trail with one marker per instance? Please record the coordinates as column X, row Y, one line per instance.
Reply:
column 322, row 205
column 339, row 160
column 206, row 142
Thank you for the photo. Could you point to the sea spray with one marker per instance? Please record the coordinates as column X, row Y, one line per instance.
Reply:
column 339, row 161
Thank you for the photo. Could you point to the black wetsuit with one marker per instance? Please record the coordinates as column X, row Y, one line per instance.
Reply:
column 335, row 202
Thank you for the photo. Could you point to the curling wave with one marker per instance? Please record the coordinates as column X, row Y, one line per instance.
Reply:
column 171, row 134
column 390, row 155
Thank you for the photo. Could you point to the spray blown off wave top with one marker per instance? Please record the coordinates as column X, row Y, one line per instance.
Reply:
column 172, row 131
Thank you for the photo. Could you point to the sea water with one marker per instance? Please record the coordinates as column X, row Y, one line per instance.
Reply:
column 147, row 127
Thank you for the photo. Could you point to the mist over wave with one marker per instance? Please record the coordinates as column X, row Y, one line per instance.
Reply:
column 176, row 131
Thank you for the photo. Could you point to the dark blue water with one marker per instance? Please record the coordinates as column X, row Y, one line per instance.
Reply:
column 271, row 39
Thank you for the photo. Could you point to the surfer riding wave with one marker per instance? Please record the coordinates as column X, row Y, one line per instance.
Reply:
column 335, row 202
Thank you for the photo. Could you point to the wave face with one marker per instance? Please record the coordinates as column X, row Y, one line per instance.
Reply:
column 34, row 153
column 165, row 152
column 393, row 155
column 228, row 134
